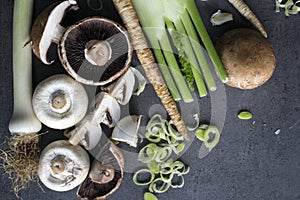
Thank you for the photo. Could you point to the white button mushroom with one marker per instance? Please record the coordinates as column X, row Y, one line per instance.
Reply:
column 63, row 166
column 60, row 102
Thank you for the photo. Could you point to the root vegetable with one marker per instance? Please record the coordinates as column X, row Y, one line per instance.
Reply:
column 244, row 9
column 147, row 59
column 247, row 56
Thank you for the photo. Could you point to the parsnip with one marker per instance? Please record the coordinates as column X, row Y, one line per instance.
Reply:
column 245, row 10
column 147, row 60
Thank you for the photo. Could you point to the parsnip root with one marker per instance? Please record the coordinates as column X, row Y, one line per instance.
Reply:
column 145, row 56
column 245, row 10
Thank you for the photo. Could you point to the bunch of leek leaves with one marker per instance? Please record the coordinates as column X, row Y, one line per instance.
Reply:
column 170, row 24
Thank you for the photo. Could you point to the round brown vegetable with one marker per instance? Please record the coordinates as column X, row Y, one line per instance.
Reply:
column 247, row 56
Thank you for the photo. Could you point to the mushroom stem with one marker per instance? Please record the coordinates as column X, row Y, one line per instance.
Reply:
column 60, row 102
column 98, row 52
column 58, row 166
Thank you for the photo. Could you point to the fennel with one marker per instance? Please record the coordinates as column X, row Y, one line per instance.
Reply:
column 181, row 18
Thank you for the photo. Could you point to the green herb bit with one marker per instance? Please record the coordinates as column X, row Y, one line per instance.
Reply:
column 245, row 115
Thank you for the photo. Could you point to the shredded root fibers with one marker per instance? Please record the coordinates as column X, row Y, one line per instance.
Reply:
column 20, row 160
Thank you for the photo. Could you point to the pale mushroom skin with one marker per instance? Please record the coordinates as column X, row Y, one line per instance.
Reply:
column 62, row 166
column 247, row 56
column 46, row 28
column 59, row 101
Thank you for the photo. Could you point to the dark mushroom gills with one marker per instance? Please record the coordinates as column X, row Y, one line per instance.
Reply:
column 95, row 51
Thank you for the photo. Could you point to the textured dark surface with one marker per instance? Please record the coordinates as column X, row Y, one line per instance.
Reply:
column 250, row 162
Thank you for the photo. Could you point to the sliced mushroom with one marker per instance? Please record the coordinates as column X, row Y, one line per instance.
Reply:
column 126, row 130
column 122, row 89
column 95, row 51
column 47, row 29
column 60, row 102
column 85, row 133
column 63, row 166
column 141, row 80
column 107, row 110
column 88, row 132
column 105, row 176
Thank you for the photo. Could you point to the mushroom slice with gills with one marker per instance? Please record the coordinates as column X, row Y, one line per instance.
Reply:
column 107, row 110
column 85, row 133
column 95, row 51
column 62, row 166
column 60, row 102
column 46, row 28
column 105, row 176
column 122, row 89
column 126, row 130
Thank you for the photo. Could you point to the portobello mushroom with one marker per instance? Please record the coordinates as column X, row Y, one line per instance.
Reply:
column 95, row 51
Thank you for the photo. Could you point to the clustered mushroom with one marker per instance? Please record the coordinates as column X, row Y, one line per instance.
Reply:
column 94, row 51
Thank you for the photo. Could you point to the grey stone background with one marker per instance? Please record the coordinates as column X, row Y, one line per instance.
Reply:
column 250, row 162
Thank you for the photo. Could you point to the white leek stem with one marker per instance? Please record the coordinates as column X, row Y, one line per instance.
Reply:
column 23, row 120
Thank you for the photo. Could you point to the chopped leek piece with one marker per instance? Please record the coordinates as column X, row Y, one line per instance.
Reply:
column 149, row 196
column 137, row 182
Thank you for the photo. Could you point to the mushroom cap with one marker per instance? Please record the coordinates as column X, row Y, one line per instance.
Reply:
column 60, row 102
column 97, row 35
column 109, row 162
column 62, row 166
column 247, row 56
column 46, row 28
